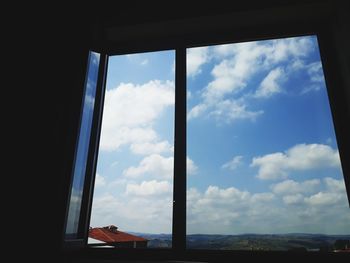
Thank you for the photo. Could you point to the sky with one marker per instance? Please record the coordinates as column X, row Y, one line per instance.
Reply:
column 262, row 156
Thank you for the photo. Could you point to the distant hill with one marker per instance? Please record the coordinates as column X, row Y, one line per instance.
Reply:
column 277, row 242
column 268, row 242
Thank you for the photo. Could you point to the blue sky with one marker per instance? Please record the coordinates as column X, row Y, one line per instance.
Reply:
column 262, row 153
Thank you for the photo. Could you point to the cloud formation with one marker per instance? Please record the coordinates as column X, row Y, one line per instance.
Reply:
column 147, row 188
column 301, row 157
column 196, row 57
column 238, row 64
column 270, row 84
column 157, row 166
column 234, row 163
column 130, row 111
column 309, row 206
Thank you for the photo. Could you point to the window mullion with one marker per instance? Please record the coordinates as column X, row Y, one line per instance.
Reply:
column 179, row 204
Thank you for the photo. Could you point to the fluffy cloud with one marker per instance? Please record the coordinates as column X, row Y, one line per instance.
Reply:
column 270, row 84
column 289, row 48
column 230, row 210
column 300, row 157
column 315, row 71
column 157, row 166
column 232, row 73
column 196, row 57
column 192, row 168
column 334, row 185
column 226, row 210
column 137, row 59
column 196, row 111
column 146, row 148
column 262, row 197
column 134, row 212
column 324, row 199
column 99, row 180
column 154, row 165
column 147, row 188
column 234, row 163
column 293, row 187
column 293, row 199
column 229, row 110
column 130, row 111
column 239, row 64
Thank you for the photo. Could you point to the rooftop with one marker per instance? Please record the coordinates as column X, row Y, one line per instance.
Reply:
column 111, row 234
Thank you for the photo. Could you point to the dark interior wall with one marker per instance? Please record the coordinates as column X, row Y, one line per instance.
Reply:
column 68, row 40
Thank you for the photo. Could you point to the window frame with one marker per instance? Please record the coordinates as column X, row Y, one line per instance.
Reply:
column 79, row 240
column 180, row 42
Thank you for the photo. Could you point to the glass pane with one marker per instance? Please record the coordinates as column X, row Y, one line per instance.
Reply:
column 132, row 203
column 261, row 135
column 83, row 145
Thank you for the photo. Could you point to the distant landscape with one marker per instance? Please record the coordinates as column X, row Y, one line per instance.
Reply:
column 278, row 242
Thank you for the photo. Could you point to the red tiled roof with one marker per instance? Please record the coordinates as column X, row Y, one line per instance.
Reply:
column 112, row 236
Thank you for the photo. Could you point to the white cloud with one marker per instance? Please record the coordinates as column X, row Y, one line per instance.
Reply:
column 248, row 58
column 238, row 65
column 157, row 166
column 112, row 139
column 293, row 199
column 154, row 165
column 234, row 163
column 226, row 210
column 230, row 75
column 147, row 188
column 271, row 166
column 137, row 59
column 192, row 168
column 262, row 197
column 315, row 72
column 230, row 210
column 216, row 195
column 146, row 148
column 230, row 110
column 99, row 180
column 196, row 111
column 324, row 199
column 189, row 94
column 216, row 210
column 284, row 49
column 293, row 187
column 130, row 111
column 300, row 157
column 270, row 84
column 334, row 185
column 147, row 214
column 196, row 57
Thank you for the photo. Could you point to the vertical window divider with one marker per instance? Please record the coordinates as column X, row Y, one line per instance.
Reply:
column 93, row 149
column 179, row 198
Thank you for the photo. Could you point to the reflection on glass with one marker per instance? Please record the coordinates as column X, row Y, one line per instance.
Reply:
column 83, row 145
column 132, row 203
column 261, row 136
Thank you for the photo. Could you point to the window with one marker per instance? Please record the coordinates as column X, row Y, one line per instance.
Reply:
column 134, row 180
column 72, row 228
column 262, row 156
column 265, row 172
